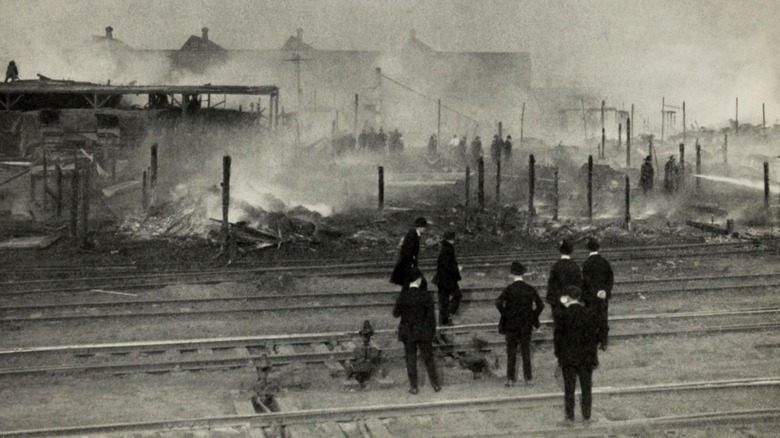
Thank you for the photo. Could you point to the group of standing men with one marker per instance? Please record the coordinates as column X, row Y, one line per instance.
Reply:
column 578, row 298
column 378, row 141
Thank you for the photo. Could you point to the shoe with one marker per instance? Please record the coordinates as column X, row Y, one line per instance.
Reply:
column 414, row 391
column 436, row 388
column 568, row 422
column 509, row 383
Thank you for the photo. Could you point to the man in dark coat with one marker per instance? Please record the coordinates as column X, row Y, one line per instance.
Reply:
column 363, row 140
column 646, row 175
column 447, row 278
column 564, row 272
column 432, row 146
column 520, row 306
column 417, row 328
column 576, row 340
column 410, row 248
column 670, row 175
column 598, row 280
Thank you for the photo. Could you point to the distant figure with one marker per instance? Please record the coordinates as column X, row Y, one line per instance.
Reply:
column 447, row 278
column 646, row 175
column 520, row 306
column 407, row 257
column 575, row 345
column 476, row 150
column 508, row 149
column 395, row 145
column 432, row 146
column 417, row 328
column 670, row 175
column 598, row 279
column 12, row 72
column 495, row 149
column 372, row 140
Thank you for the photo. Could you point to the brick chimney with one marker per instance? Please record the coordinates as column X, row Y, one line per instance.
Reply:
column 110, row 33
column 300, row 35
column 205, row 32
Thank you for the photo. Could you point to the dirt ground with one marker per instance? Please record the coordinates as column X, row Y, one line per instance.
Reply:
column 104, row 398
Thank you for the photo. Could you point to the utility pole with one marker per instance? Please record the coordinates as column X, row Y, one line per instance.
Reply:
column 663, row 116
column 522, row 124
column 684, row 127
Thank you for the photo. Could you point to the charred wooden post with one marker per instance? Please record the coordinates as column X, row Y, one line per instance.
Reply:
column 531, row 189
column 225, row 195
column 113, row 168
column 620, row 135
column 522, row 125
column 603, row 132
column 725, row 149
column 682, row 166
column 627, row 221
column 698, row 164
column 498, row 183
column 590, row 188
column 32, row 186
column 153, row 175
column 481, row 183
column 439, row 143
column 628, row 143
column 684, row 128
column 381, row 176
column 468, row 187
column 736, row 118
column 766, row 186
column 555, row 194
column 58, row 181
column 83, row 195
column 74, row 200
column 145, row 191
column 763, row 118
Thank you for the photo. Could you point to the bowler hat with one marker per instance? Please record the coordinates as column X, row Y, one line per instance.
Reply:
column 517, row 268
column 420, row 222
column 566, row 247
column 449, row 235
column 593, row 244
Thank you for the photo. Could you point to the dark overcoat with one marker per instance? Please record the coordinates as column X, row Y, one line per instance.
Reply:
column 576, row 336
column 564, row 272
column 596, row 275
column 447, row 272
column 416, row 309
column 407, row 258
column 520, row 306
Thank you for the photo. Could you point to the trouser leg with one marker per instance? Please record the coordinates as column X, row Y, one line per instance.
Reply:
column 586, row 385
column 604, row 315
column 410, row 352
column 525, row 351
column 444, row 306
column 426, row 349
column 511, row 356
column 569, row 385
column 455, row 300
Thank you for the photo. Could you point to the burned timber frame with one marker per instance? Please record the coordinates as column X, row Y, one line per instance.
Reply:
column 97, row 96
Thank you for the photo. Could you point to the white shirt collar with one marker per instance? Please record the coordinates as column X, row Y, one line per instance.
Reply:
column 594, row 253
column 518, row 278
column 565, row 257
column 418, row 232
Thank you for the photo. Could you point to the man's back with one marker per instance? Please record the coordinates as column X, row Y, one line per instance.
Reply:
column 520, row 306
column 564, row 272
column 597, row 275
column 577, row 334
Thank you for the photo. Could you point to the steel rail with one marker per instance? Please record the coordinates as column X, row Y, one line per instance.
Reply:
column 38, row 309
column 307, row 357
column 59, row 268
column 359, row 413
column 158, row 279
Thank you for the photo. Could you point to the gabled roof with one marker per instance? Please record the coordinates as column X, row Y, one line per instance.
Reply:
column 294, row 43
column 197, row 43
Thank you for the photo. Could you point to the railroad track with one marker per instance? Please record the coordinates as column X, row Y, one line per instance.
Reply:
column 366, row 268
column 339, row 300
column 333, row 347
column 486, row 416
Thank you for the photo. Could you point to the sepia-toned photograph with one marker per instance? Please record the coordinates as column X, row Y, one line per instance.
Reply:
column 372, row 219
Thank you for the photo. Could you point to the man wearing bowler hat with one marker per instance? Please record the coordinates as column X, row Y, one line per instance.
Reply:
column 520, row 306
column 410, row 249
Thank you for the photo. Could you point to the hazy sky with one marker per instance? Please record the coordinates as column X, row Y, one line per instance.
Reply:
column 704, row 50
